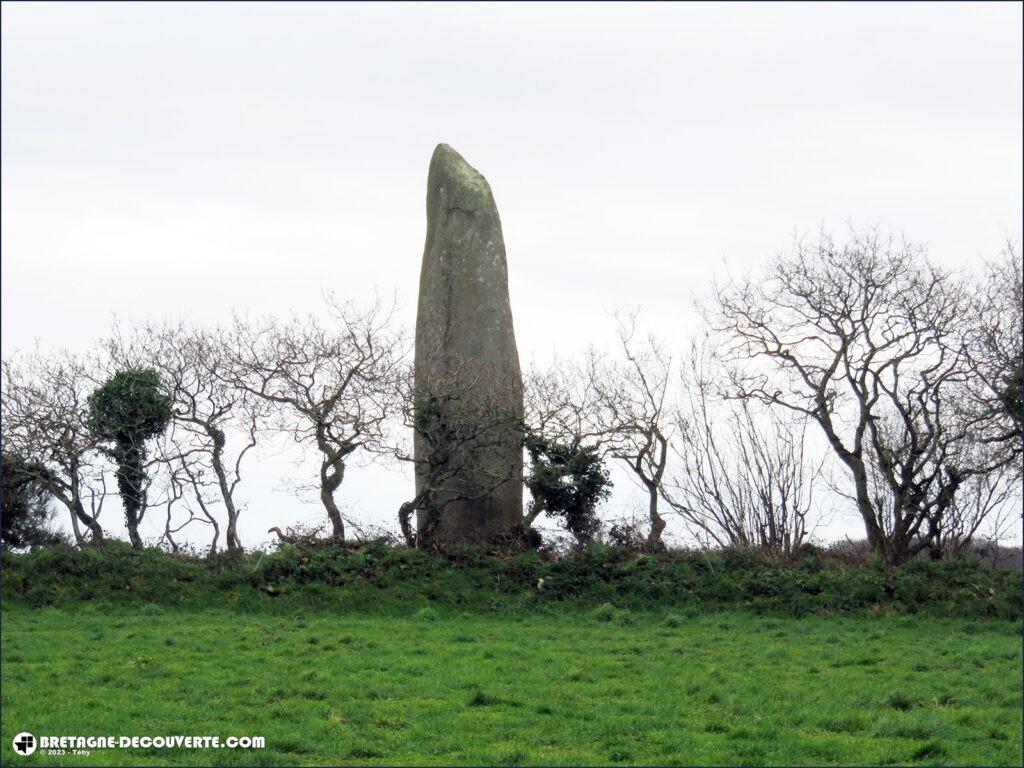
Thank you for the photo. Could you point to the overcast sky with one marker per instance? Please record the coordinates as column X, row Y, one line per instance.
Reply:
column 185, row 160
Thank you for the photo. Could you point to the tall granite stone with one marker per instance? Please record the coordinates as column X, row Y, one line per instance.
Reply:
column 468, row 444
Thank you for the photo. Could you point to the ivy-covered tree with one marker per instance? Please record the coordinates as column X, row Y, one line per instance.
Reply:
column 567, row 481
column 216, row 422
column 129, row 409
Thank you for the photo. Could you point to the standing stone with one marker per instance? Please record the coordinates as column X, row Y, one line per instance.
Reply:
column 468, row 444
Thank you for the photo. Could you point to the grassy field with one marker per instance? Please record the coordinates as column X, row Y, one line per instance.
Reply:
column 437, row 686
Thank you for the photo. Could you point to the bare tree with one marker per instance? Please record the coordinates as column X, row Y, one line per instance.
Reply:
column 993, row 336
column 860, row 339
column 46, row 422
column 333, row 385
column 740, row 478
column 181, row 483
column 175, row 493
column 983, row 510
column 196, row 370
column 633, row 413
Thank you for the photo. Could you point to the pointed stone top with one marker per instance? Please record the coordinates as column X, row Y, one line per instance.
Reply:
column 449, row 169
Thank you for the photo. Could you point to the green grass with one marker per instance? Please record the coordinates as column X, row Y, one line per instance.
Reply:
column 368, row 654
column 597, row 685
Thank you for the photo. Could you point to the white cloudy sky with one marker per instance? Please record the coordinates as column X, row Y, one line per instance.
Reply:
column 184, row 160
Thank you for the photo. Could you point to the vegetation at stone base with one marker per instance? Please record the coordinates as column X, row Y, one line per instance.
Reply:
column 443, row 687
column 379, row 579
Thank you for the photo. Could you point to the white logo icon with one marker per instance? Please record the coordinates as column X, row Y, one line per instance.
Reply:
column 24, row 743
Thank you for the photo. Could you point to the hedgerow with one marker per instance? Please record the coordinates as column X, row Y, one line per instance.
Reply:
column 377, row 578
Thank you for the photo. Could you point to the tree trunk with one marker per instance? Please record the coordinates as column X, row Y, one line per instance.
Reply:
column 876, row 536
column 74, row 504
column 337, row 525
column 79, row 539
column 657, row 521
column 232, row 541
column 331, row 475
column 535, row 511
column 405, row 513
column 216, row 537
column 131, row 476
column 234, row 544
column 133, row 533
column 90, row 522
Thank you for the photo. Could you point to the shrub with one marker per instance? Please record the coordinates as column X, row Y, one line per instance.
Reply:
column 567, row 481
